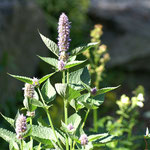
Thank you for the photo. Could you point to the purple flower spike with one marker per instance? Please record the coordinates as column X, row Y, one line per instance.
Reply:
column 93, row 91
column 28, row 90
column 21, row 125
column 70, row 127
column 63, row 33
column 83, row 139
column 61, row 65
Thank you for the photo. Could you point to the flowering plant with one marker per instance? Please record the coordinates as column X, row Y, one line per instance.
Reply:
column 75, row 91
column 123, row 125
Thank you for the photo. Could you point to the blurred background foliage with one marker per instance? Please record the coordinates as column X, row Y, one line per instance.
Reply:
column 83, row 19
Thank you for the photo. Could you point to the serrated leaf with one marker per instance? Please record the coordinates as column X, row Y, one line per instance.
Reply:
column 45, row 133
column 71, row 58
column 27, row 146
column 36, row 102
column 81, row 49
column 22, row 78
column 75, row 120
column 66, row 91
column 75, row 78
column 94, row 102
column 105, row 90
column 48, row 91
column 7, row 135
column 76, row 105
column 13, row 145
column 51, row 61
column 42, row 122
column 79, row 102
column 9, row 120
column 46, row 77
column 52, row 46
column 73, row 64
column 97, row 136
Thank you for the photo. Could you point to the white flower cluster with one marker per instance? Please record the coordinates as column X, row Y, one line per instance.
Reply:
column 138, row 101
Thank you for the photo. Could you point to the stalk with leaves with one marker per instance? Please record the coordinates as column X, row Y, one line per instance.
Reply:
column 76, row 92
column 98, row 58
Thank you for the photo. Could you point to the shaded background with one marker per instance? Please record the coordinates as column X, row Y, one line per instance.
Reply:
column 126, row 27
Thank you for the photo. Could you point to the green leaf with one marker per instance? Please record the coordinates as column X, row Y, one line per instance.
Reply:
column 97, row 136
column 51, row 61
column 71, row 58
column 75, row 120
column 101, row 138
column 66, row 91
column 105, row 90
column 22, row 78
column 76, row 105
column 80, row 101
column 13, row 145
column 36, row 102
column 108, row 139
column 52, row 46
column 8, row 135
column 42, row 122
column 9, row 120
column 80, row 49
column 48, row 91
column 75, row 78
column 94, row 102
column 46, row 77
column 45, row 134
column 73, row 64
column 28, row 104
column 27, row 146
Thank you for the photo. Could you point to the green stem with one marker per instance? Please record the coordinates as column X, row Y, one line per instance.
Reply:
column 85, row 117
column 51, row 124
column 39, row 147
column 21, row 144
column 74, row 145
column 95, row 111
column 30, row 136
column 66, row 107
column 70, row 144
column 49, row 118
column 41, row 96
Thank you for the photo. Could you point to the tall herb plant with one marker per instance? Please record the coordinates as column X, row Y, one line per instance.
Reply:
column 75, row 90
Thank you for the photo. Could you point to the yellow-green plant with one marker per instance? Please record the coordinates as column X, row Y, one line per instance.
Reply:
column 122, row 126
column 98, row 58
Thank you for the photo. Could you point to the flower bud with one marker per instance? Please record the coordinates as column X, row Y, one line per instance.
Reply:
column 21, row 125
column 30, row 114
column 35, row 82
column 28, row 90
column 83, row 139
column 70, row 127
column 61, row 65
column 93, row 91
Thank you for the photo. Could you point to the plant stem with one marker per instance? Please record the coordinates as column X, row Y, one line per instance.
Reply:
column 74, row 145
column 41, row 96
column 66, row 107
column 30, row 136
column 49, row 118
column 95, row 116
column 51, row 124
column 21, row 144
column 85, row 117
column 39, row 147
